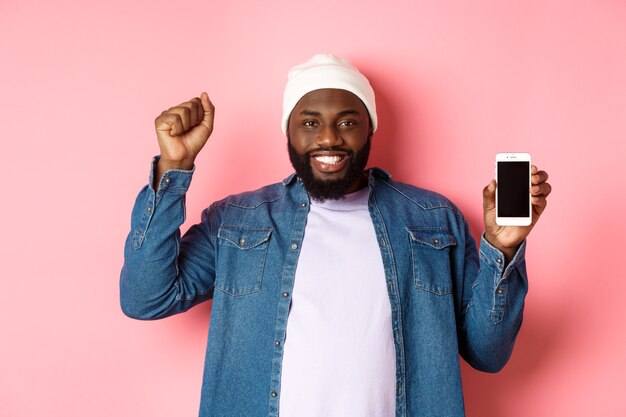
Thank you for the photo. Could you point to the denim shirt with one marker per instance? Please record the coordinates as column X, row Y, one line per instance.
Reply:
column 446, row 297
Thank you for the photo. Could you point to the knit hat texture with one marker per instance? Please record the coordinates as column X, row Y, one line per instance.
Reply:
column 326, row 71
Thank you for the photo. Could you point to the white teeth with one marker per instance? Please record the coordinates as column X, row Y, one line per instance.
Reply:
column 329, row 160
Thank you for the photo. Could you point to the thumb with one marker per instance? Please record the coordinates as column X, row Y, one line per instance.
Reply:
column 489, row 197
column 209, row 112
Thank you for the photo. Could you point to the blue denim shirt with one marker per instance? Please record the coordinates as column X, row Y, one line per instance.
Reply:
column 446, row 298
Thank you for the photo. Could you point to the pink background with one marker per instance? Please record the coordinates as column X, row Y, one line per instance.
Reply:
column 457, row 81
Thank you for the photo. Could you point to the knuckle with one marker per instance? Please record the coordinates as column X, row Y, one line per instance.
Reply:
column 175, row 119
column 162, row 118
column 162, row 115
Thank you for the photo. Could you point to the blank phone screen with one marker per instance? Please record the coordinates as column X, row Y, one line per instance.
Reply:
column 513, row 185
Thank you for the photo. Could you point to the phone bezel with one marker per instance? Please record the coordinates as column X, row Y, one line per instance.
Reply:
column 514, row 157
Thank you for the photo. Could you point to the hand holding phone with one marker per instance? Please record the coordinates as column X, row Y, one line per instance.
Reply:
column 507, row 227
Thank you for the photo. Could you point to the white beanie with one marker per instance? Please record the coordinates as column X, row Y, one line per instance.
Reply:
column 326, row 71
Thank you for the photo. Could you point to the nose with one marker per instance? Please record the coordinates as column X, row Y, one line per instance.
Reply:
column 328, row 137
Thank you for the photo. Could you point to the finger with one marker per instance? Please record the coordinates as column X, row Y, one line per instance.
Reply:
column 169, row 122
column 209, row 111
column 539, row 177
column 489, row 196
column 184, row 114
column 539, row 201
column 539, row 204
column 198, row 111
column 195, row 107
column 193, row 112
column 543, row 189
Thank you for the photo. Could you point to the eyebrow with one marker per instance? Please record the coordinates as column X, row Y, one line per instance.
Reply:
column 342, row 113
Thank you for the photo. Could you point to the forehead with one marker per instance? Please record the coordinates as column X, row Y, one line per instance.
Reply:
column 330, row 100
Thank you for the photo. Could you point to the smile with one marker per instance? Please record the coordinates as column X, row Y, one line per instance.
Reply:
column 329, row 164
column 329, row 159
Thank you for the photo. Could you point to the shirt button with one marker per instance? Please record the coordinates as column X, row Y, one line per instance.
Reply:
column 294, row 246
column 149, row 208
column 499, row 260
column 274, row 394
column 167, row 180
column 277, row 343
column 285, row 294
column 391, row 286
column 303, row 205
column 436, row 241
column 242, row 241
column 499, row 291
column 382, row 242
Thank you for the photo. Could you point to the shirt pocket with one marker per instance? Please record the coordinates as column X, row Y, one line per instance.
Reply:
column 430, row 256
column 241, row 259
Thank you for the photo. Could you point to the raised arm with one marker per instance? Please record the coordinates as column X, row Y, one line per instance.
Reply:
column 162, row 273
column 495, row 282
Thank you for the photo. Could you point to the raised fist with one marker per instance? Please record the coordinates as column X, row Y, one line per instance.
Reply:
column 183, row 130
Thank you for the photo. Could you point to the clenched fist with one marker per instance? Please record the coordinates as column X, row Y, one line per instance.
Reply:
column 182, row 131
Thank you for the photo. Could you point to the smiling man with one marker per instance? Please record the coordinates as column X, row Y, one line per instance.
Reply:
column 338, row 291
column 329, row 141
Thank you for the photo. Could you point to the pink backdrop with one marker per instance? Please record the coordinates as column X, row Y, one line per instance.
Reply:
column 457, row 81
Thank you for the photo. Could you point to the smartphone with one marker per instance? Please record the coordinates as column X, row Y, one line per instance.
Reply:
column 513, row 206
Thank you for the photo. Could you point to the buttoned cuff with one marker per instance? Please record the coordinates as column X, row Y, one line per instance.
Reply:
column 177, row 180
column 496, row 259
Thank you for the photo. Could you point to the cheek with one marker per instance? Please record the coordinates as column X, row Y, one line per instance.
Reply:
column 300, row 142
column 359, row 139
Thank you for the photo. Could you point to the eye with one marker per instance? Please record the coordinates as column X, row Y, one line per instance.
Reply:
column 347, row 123
column 309, row 123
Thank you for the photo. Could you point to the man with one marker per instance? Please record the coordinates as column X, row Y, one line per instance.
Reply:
column 337, row 292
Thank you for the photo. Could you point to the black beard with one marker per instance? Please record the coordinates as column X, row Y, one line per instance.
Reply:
column 322, row 190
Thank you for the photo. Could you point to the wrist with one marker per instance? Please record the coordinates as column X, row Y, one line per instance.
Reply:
column 508, row 251
column 165, row 164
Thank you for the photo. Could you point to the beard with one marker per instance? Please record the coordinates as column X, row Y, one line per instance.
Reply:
column 322, row 190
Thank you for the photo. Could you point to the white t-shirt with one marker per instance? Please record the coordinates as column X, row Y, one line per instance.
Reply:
column 339, row 357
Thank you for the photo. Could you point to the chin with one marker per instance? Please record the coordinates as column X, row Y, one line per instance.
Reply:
column 323, row 186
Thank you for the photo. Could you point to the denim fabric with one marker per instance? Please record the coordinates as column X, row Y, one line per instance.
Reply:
column 446, row 297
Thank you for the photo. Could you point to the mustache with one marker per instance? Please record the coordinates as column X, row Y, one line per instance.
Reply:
column 329, row 149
